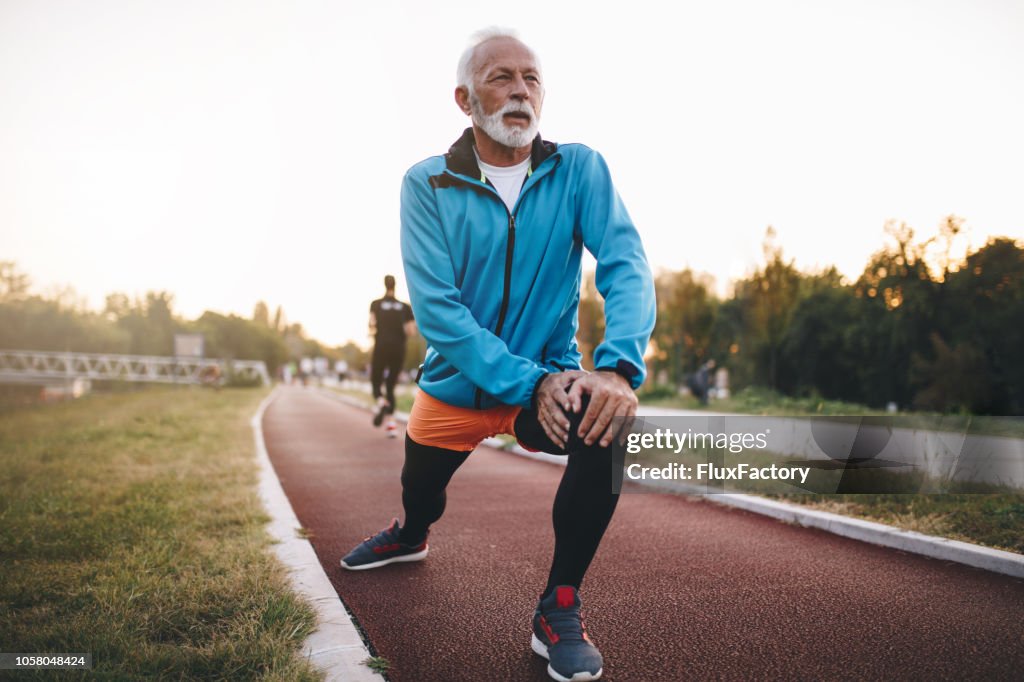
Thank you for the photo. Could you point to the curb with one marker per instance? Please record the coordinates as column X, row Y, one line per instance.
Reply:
column 995, row 560
column 335, row 647
column 986, row 558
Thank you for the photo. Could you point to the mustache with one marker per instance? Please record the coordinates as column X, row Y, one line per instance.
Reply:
column 517, row 107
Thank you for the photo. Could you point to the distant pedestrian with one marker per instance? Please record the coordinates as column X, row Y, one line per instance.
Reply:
column 341, row 369
column 391, row 323
column 305, row 370
column 702, row 381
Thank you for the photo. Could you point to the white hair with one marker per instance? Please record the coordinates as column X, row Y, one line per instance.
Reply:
column 467, row 66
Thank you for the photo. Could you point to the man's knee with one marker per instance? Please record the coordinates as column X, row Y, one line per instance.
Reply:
column 576, row 443
column 575, row 419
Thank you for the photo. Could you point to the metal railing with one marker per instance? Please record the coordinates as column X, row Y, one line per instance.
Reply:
column 28, row 366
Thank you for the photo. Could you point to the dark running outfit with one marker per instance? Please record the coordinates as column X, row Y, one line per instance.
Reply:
column 389, row 345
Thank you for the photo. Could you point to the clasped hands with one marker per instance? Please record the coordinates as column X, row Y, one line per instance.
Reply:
column 561, row 393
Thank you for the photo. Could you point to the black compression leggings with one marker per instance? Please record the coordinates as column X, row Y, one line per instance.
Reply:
column 425, row 476
column 583, row 506
column 387, row 358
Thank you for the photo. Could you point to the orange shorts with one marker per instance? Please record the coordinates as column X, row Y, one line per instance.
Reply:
column 440, row 425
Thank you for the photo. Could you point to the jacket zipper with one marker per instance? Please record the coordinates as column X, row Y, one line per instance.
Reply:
column 507, row 293
column 511, row 243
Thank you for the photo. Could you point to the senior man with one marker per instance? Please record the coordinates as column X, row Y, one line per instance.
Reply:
column 492, row 238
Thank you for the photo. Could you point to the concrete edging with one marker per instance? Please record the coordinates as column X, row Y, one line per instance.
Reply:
column 986, row 558
column 335, row 647
column 995, row 560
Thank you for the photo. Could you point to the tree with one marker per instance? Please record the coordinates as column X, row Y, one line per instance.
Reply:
column 357, row 358
column 14, row 284
column 985, row 300
column 957, row 380
column 149, row 322
column 816, row 345
column 35, row 323
column 897, row 313
column 686, row 315
column 768, row 299
column 261, row 314
column 590, row 332
column 235, row 338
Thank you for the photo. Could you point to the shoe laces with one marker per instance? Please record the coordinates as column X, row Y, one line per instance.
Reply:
column 567, row 624
column 384, row 537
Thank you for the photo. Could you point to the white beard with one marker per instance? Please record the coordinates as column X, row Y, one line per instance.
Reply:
column 494, row 125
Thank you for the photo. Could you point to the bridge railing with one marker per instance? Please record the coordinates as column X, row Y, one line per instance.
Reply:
column 40, row 366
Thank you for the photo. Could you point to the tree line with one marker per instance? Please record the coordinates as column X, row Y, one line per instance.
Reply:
column 918, row 327
column 146, row 325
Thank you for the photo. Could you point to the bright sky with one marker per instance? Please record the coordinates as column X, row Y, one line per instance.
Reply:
column 230, row 152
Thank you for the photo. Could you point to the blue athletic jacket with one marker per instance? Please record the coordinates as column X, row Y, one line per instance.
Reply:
column 495, row 293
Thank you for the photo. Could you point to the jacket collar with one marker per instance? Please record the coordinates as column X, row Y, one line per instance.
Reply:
column 461, row 159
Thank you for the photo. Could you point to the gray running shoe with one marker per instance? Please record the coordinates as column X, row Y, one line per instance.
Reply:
column 383, row 548
column 560, row 636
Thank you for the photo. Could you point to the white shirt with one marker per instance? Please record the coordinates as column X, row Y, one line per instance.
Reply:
column 508, row 180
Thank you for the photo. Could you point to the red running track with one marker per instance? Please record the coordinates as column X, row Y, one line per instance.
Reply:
column 680, row 589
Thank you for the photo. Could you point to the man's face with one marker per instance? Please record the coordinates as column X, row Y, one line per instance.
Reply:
column 507, row 93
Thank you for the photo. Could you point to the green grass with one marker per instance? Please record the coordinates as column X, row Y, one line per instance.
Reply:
column 995, row 520
column 131, row 529
column 378, row 664
column 17, row 396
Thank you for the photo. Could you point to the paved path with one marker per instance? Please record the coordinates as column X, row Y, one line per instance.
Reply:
column 681, row 589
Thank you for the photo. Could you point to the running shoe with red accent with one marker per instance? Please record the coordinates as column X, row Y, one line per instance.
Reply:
column 560, row 636
column 386, row 547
